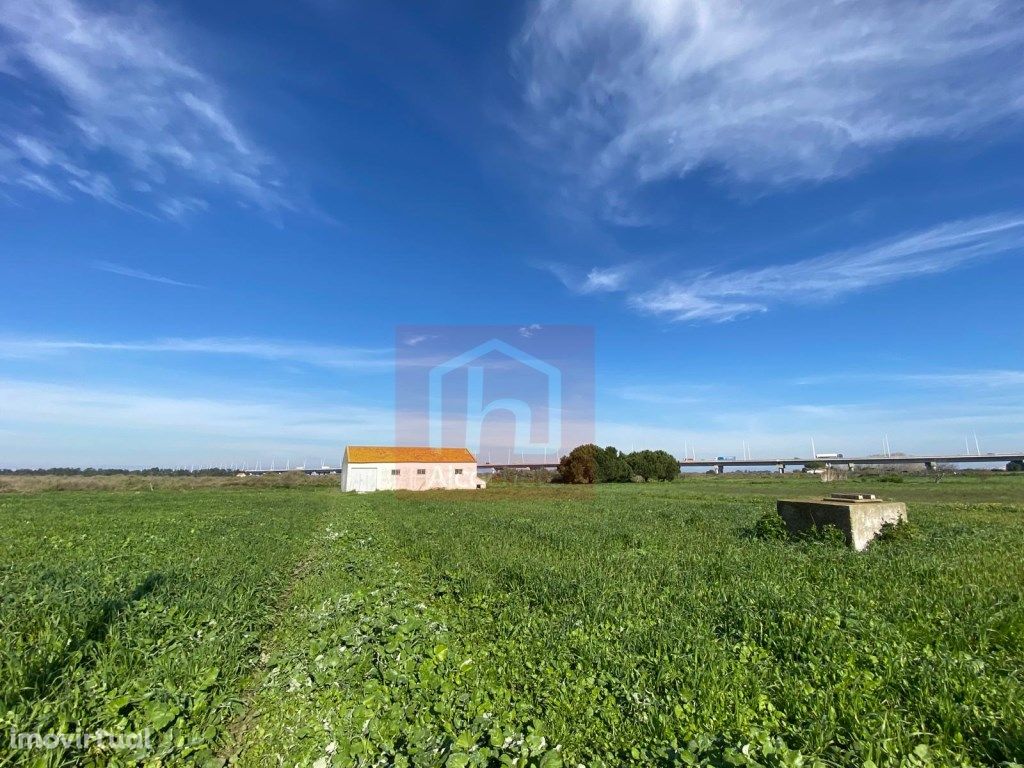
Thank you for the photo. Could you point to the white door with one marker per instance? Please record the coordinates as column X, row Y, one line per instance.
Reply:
column 364, row 479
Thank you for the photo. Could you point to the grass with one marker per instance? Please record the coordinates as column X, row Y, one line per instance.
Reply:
column 120, row 482
column 523, row 625
column 131, row 611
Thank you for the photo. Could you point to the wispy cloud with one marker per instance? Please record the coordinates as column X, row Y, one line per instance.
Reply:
column 595, row 280
column 340, row 358
column 625, row 92
column 56, row 424
column 125, row 117
column 417, row 339
column 971, row 379
column 666, row 394
column 180, row 207
column 138, row 274
column 718, row 297
column 984, row 379
column 779, row 429
column 52, row 423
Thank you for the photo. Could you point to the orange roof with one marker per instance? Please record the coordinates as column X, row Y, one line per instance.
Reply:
column 371, row 454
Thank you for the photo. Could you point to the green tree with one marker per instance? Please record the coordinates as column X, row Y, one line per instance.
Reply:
column 612, row 466
column 1017, row 465
column 653, row 465
column 579, row 465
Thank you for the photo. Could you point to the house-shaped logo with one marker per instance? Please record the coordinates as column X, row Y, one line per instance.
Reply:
column 477, row 410
column 515, row 394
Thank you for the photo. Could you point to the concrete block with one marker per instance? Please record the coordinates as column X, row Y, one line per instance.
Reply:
column 859, row 516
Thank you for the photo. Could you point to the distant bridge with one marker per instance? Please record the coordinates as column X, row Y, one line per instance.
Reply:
column 929, row 461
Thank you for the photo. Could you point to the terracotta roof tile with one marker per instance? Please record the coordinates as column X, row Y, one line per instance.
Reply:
column 370, row 454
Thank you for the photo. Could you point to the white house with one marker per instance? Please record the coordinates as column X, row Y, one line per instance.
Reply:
column 378, row 468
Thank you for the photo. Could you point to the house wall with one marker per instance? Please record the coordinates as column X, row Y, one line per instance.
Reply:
column 435, row 475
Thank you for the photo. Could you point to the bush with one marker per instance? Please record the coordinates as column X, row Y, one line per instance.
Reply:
column 591, row 464
column 580, row 465
column 653, row 465
column 829, row 535
column 612, row 466
column 1017, row 465
column 771, row 527
column 900, row 531
column 524, row 476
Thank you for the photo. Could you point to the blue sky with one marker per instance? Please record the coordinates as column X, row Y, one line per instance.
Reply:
column 782, row 220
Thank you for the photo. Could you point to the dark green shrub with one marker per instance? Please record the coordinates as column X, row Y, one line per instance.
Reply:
column 579, row 466
column 901, row 531
column 771, row 527
column 591, row 464
column 612, row 466
column 653, row 465
column 828, row 535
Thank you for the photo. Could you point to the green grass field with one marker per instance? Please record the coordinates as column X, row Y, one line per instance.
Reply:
column 521, row 625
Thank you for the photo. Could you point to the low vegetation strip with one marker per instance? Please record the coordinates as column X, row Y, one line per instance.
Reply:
column 642, row 624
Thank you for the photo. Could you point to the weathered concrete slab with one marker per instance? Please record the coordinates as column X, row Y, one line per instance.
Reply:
column 860, row 519
column 852, row 497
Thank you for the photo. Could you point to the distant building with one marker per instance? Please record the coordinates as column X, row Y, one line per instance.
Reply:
column 382, row 468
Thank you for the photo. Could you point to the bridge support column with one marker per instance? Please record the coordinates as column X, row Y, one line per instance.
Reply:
column 720, row 469
column 781, row 468
column 929, row 466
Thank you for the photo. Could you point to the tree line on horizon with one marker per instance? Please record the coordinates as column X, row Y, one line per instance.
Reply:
column 94, row 471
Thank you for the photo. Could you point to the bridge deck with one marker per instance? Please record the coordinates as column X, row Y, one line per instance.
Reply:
column 990, row 458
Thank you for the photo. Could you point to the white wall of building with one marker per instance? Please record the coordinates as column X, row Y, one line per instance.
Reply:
column 409, row 476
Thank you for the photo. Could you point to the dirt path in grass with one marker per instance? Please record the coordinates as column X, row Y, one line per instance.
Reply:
column 239, row 726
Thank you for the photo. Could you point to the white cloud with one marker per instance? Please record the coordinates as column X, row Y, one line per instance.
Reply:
column 123, row 93
column 607, row 279
column 340, row 358
column 672, row 394
column 856, row 429
column 596, row 280
column 991, row 379
column 55, row 425
column 718, row 297
column 37, row 183
column 138, row 274
column 970, row 379
column 682, row 303
column 417, row 339
column 34, row 150
column 180, row 207
column 631, row 91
